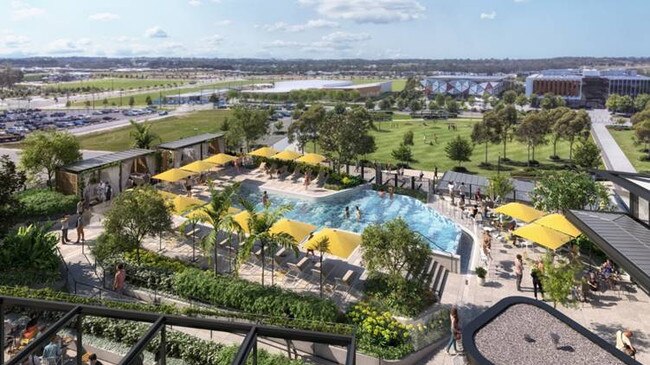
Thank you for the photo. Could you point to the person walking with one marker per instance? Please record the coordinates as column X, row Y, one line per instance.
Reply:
column 81, row 236
column 65, row 223
column 519, row 270
column 120, row 278
column 536, row 274
column 454, row 329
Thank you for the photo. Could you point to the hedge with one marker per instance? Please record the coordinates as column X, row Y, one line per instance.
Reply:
column 46, row 203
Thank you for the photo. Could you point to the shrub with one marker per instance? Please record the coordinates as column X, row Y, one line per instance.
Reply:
column 30, row 248
column 337, row 181
column 45, row 203
column 408, row 138
column 398, row 294
column 379, row 333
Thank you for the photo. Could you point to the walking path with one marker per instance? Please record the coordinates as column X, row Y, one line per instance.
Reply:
column 613, row 155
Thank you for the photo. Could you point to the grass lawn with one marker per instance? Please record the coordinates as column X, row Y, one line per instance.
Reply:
column 140, row 98
column 168, row 129
column 116, row 83
column 625, row 140
column 398, row 84
column 428, row 156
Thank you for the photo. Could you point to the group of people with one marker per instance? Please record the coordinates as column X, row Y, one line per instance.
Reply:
column 391, row 192
column 357, row 212
column 77, row 221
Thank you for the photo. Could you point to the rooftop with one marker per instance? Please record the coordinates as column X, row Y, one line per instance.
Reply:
column 190, row 141
column 99, row 161
column 469, row 77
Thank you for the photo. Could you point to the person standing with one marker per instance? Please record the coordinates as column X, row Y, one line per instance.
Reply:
column 265, row 198
column 65, row 223
column 80, row 206
column 92, row 360
column 109, row 192
column 358, row 212
column 454, row 329
column 536, row 275
column 623, row 342
column 52, row 352
column 81, row 236
column 519, row 270
column 120, row 278
column 346, row 213
column 391, row 192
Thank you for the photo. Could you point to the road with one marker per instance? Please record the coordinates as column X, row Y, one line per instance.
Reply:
column 14, row 153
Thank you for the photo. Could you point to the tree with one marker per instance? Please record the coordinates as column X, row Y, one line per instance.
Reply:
column 499, row 186
column 131, row 101
column 393, row 248
column 558, row 278
column 217, row 214
column 521, row 100
column 259, row 226
column 612, row 102
column 587, row 154
column 138, row 213
column 642, row 134
column 142, row 135
column 549, row 101
column 105, row 102
column 578, row 127
column 534, row 100
column 533, row 131
column 385, row 104
column 11, row 182
column 247, row 125
column 322, row 245
column 408, row 138
column 278, row 126
column 213, row 98
column 509, row 97
column 641, row 102
column 305, row 129
column 481, row 133
column 345, row 136
column 370, row 105
column 459, row 149
column 471, row 100
column 403, row 153
column 501, row 125
column 48, row 151
column 340, row 108
column 440, row 100
column 626, row 104
column 640, row 116
column 10, row 76
column 559, row 119
column 415, row 105
column 453, row 107
column 87, row 104
column 559, row 191
column 68, row 104
column 147, row 100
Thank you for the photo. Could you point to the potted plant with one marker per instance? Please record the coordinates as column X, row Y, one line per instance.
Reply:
column 481, row 273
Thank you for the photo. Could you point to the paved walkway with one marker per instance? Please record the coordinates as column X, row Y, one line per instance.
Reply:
column 613, row 155
column 610, row 311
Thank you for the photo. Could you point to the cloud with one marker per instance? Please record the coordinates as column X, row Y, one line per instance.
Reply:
column 368, row 11
column 346, row 37
column 310, row 24
column 284, row 44
column 21, row 10
column 489, row 16
column 213, row 40
column 194, row 2
column 333, row 42
column 521, row 1
column 11, row 40
column 223, row 23
column 65, row 46
column 155, row 32
column 103, row 17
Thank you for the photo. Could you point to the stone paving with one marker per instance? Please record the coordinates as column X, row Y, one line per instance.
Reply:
column 612, row 310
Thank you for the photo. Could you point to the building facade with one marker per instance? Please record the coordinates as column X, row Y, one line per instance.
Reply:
column 587, row 87
column 466, row 85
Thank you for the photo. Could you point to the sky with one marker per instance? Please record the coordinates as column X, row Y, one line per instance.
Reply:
column 323, row 29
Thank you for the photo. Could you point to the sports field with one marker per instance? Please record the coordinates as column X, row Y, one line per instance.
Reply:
column 168, row 129
column 398, row 84
column 428, row 153
column 116, row 83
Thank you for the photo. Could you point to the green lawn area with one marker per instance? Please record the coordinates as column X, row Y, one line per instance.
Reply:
column 626, row 141
column 140, row 98
column 398, row 84
column 428, row 156
column 168, row 129
column 116, row 83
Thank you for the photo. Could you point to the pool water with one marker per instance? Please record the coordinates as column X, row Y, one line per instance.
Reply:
column 374, row 209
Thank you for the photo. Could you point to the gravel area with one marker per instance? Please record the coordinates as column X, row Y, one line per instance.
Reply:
column 524, row 334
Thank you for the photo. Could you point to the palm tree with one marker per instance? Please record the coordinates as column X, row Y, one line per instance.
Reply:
column 216, row 214
column 191, row 222
column 322, row 245
column 259, row 225
column 142, row 135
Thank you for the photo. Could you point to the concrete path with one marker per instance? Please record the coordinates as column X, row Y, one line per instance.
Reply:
column 613, row 155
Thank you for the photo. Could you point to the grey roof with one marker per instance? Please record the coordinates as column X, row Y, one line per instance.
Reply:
column 469, row 77
column 190, row 141
column 521, row 193
column 99, row 161
column 625, row 240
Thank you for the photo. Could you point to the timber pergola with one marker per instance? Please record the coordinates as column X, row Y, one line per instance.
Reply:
column 159, row 322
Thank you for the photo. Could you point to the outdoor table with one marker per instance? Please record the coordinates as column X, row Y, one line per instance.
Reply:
column 302, row 263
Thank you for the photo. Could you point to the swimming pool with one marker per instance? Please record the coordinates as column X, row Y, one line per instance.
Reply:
column 374, row 209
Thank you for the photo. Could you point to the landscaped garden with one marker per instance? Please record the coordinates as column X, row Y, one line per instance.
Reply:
column 634, row 150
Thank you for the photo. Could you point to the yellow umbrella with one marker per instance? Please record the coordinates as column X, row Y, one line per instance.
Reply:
column 198, row 166
column 167, row 195
column 312, row 159
column 264, row 152
column 559, row 223
column 520, row 212
column 242, row 219
column 341, row 243
column 220, row 159
column 297, row 230
column 183, row 203
column 546, row 237
column 173, row 175
column 201, row 213
column 286, row 155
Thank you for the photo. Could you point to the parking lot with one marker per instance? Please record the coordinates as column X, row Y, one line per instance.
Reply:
column 15, row 124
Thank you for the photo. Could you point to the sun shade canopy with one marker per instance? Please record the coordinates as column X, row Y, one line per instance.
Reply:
column 198, row 166
column 559, row 223
column 298, row 230
column 263, row 152
column 311, row 159
column 220, row 159
column 286, row 155
column 520, row 212
column 544, row 236
column 341, row 243
column 173, row 175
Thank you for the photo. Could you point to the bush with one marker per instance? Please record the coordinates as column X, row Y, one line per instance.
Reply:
column 337, row 181
column 30, row 248
column 379, row 333
column 398, row 294
column 46, row 203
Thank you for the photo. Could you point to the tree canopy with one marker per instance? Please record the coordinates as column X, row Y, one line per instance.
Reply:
column 48, row 151
column 247, row 125
column 563, row 190
column 142, row 135
column 305, row 129
column 11, row 181
column 459, row 149
column 587, row 155
column 344, row 136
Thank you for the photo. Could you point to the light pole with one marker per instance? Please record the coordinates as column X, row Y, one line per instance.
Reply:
column 499, row 165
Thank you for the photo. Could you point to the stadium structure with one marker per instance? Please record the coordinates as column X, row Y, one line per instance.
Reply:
column 365, row 90
column 465, row 85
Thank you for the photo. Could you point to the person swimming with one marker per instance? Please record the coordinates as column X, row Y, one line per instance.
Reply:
column 265, row 198
column 358, row 211
column 381, row 194
column 346, row 213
